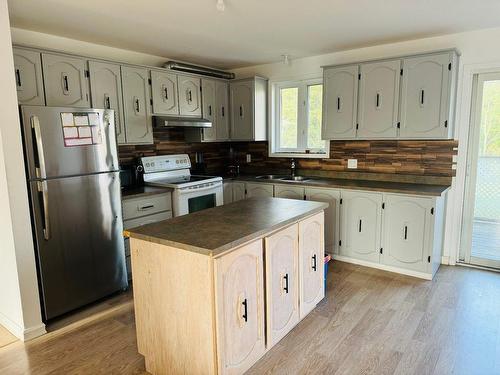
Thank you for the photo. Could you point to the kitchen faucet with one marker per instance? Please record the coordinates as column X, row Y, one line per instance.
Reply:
column 292, row 167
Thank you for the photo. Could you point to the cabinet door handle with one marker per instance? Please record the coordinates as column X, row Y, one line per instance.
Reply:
column 210, row 110
column 245, row 310
column 137, row 105
column 314, row 263
column 189, row 96
column 241, row 111
column 378, row 101
column 65, row 84
column 222, row 110
column 146, row 207
column 406, row 232
column 338, row 104
column 107, row 102
column 18, row 78
column 422, row 93
column 360, row 223
column 165, row 90
column 286, row 283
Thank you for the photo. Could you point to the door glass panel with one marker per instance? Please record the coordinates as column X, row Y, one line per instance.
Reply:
column 289, row 99
column 201, row 203
column 486, row 215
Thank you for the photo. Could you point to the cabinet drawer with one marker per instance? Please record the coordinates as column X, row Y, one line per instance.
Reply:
column 133, row 208
column 137, row 222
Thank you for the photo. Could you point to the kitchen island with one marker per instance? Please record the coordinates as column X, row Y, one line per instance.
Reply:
column 216, row 289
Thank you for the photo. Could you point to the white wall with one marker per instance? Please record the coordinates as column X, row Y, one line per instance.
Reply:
column 479, row 53
column 19, row 300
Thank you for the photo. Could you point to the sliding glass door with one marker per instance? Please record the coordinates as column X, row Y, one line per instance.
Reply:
column 481, row 222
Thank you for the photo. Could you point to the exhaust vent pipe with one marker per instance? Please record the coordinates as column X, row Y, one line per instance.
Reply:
column 188, row 68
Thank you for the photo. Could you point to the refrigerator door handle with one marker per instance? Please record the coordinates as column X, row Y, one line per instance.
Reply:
column 41, row 172
column 43, row 188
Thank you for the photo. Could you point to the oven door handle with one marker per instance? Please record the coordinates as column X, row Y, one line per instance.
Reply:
column 187, row 190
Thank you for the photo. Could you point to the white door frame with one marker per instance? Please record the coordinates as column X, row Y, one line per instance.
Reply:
column 471, row 170
column 455, row 196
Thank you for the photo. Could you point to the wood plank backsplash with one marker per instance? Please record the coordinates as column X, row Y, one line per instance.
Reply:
column 408, row 157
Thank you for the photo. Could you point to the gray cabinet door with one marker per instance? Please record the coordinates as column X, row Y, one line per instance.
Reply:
column 209, row 108
column 378, row 103
column 189, row 96
column 361, row 225
column 136, row 105
column 106, row 90
column 340, row 88
column 242, row 120
column 290, row 192
column 66, row 84
column 165, row 96
column 407, row 228
column 28, row 73
column 425, row 94
column 222, row 110
column 332, row 214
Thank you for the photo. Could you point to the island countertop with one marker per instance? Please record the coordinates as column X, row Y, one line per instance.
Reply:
column 215, row 230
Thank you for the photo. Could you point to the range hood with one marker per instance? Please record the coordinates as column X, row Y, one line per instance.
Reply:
column 182, row 122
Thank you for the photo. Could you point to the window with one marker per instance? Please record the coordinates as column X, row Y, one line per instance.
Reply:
column 296, row 125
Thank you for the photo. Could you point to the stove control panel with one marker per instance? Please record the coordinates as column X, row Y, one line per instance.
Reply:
column 165, row 163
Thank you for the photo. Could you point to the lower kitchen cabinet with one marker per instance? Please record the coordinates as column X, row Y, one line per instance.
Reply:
column 282, row 284
column 332, row 214
column 311, row 269
column 240, row 308
column 287, row 191
column 239, row 191
column 259, row 190
column 227, row 192
column 361, row 224
column 407, row 232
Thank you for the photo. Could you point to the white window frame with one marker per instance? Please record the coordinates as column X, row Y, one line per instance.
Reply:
column 302, row 121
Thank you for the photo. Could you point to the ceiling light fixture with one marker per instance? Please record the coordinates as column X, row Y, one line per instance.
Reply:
column 220, row 5
column 286, row 59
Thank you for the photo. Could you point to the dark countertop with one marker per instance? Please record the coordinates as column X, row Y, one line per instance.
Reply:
column 341, row 183
column 143, row 191
column 215, row 230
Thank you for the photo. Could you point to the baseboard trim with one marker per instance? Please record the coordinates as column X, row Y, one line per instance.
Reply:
column 445, row 260
column 23, row 334
column 420, row 275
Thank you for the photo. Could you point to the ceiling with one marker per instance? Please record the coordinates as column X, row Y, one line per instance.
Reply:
column 250, row 32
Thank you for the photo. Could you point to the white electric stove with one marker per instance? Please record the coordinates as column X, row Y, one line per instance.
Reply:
column 191, row 193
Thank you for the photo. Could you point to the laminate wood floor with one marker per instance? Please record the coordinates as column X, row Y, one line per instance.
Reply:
column 371, row 322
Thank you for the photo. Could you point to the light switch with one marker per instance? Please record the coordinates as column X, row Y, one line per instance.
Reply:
column 249, row 158
column 352, row 163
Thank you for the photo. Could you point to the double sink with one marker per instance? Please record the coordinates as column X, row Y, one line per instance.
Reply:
column 283, row 178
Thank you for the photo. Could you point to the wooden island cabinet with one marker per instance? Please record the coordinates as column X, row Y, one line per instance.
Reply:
column 214, row 290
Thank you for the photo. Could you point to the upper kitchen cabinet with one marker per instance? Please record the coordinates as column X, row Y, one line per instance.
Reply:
column 209, row 106
column 340, row 102
column 28, row 74
column 189, row 89
column 66, row 83
column 427, row 96
column 379, row 99
column 136, row 105
column 106, row 89
column 222, row 110
column 248, row 99
column 164, row 93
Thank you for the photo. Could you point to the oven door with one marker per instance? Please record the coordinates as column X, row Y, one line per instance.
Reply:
column 197, row 198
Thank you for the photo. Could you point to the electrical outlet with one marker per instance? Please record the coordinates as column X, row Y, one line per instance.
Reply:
column 249, row 158
column 352, row 163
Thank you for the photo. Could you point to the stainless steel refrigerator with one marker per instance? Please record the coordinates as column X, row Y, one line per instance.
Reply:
column 73, row 177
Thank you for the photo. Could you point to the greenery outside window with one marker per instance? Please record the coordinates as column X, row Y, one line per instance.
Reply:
column 296, row 119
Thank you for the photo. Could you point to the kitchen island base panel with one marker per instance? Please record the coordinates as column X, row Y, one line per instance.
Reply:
column 174, row 309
